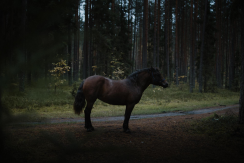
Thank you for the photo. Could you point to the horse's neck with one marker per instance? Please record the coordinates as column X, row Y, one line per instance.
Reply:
column 144, row 80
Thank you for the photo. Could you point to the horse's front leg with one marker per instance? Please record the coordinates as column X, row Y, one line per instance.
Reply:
column 88, row 124
column 128, row 111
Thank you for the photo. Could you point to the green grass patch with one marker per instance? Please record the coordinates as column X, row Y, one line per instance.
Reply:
column 41, row 103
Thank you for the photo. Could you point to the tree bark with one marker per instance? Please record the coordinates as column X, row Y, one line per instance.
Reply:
column 196, row 39
column 85, row 49
column 69, row 55
column 155, row 32
column 232, row 56
column 145, row 34
column 166, row 36
column 176, row 44
column 218, row 44
column 140, row 44
column 191, row 52
column 135, row 42
column 241, row 101
column 76, row 61
column 23, row 48
column 202, row 47
column 158, row 32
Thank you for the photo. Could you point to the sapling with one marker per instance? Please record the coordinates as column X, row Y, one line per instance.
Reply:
column 59, row 69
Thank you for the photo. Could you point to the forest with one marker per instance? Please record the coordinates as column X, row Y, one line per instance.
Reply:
column 48, row 47
column 192, row 41
column 197, row 42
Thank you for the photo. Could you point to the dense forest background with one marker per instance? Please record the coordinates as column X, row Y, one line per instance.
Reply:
column 195, row 42
column 192, row 41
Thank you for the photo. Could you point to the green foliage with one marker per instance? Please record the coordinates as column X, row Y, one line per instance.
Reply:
column 59, row 69
column 74, row 90
column 118, row 69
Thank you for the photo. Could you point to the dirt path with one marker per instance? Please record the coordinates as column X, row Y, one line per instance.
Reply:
column 121, row 118
column 158, row 138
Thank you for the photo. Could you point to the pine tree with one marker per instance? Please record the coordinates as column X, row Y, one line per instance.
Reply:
column 241, row 101
column 202, row 48
column 145, row 34
column 176, row 45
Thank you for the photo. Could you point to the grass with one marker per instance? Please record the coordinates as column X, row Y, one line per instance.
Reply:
column 41, row 103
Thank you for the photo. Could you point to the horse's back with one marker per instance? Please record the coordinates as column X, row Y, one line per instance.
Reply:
column 107, row 90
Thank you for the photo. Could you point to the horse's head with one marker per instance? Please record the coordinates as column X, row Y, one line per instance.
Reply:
column 157, row 78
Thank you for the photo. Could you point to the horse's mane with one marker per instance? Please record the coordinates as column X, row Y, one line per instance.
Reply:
column 133, row 77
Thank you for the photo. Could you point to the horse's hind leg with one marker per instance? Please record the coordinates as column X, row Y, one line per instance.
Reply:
column 88, row 124
column 128, row 111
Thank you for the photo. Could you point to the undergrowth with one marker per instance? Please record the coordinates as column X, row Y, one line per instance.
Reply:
column 42, row 99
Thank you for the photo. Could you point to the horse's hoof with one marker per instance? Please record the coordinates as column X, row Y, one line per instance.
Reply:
column 127, row 130
column 90, row 129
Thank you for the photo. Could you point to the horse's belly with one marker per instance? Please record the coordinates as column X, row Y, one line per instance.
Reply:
column 113, row 100
column 120, row 99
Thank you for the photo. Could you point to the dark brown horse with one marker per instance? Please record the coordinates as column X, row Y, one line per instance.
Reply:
column 117, row 92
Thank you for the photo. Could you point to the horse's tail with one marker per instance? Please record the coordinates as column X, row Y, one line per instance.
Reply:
column 80, row 101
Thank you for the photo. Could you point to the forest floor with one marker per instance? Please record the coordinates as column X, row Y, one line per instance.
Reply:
column 169, row 139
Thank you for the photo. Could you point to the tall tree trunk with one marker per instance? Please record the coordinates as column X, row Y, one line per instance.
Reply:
column 232, row 57
column 182, row 41
column 23, row 48
column 191, row 48
column 145, row 34
column 85, row 49
column 135, row 43
column 176, row 44
column 78, row 43
column 76, row 61
column 202, row 47
column 218, row 44
column 158, row 33
column 166, row 33
column 154, row 35
column 241, row 101
column 90, row 50
column 29, row 68
column 227, row 52
column 140, row 64
column 129, row 31
column 196, row 40
column 170, row 38
column 69, row 55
